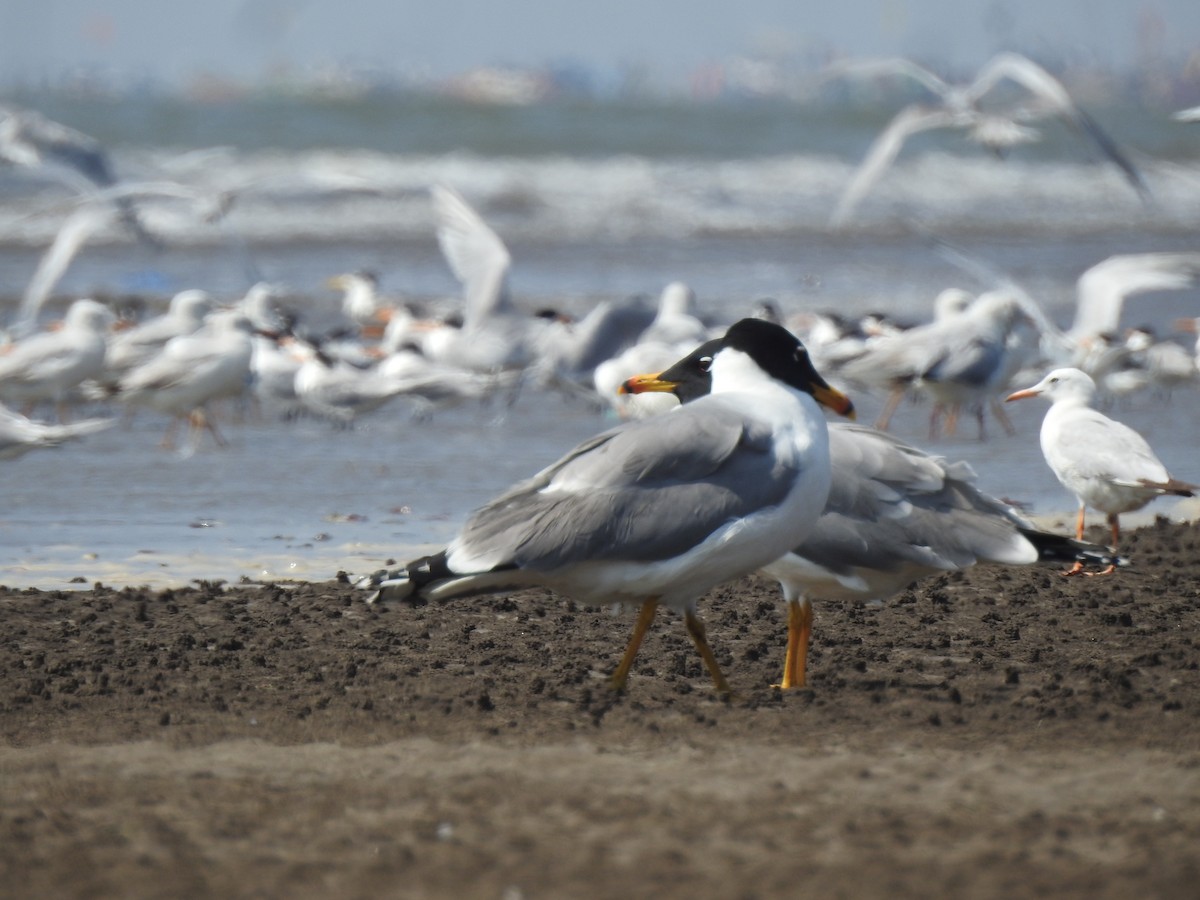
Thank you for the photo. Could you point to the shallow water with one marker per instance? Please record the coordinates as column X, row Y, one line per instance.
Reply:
column 305, row 500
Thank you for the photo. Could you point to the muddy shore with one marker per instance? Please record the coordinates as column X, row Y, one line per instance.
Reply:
column 1001, row 732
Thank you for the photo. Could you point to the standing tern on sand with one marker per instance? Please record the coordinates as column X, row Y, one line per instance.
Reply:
column 1104, row 463
column 655, row 512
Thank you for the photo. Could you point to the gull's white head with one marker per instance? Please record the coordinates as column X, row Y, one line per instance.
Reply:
column 1061, row 385
column 676, row 299
column 950, row 302
column 1139, row 339
column 191, row 304
column 89, row 315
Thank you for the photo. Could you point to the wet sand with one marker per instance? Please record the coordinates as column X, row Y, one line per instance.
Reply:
column 1003, row 732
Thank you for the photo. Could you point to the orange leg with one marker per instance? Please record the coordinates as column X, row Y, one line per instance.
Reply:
column 889, row 408
column 168, row 439
column 1078, row 567
column 696, row 629
column 1115, row 524
column 952, row 421
column 645, row 618
column 795, row 666
column 209, row 422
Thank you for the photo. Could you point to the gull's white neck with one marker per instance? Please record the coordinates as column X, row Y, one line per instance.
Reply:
column 1074, row 397
column 733, row 370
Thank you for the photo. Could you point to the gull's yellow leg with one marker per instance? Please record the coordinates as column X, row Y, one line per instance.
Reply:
column 645, row 618
column 1078, row 567
column 696, row 629
column 795, row 665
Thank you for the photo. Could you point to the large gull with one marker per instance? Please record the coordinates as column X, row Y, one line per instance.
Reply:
column 193, row 370
column 655, row 512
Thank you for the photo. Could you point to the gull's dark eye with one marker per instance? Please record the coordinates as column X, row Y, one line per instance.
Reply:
column 705, row 363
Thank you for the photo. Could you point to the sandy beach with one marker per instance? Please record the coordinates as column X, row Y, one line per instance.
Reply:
column 1000, row 732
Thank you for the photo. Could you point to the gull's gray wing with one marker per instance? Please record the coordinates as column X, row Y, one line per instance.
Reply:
column 883, row 152
column 37, row 358
column 974, row 362
column 1044, row 86
column 892, row 507
column 646, row 490
column 893, row 66
column 1103, row 448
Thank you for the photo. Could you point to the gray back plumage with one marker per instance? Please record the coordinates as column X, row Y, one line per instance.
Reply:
column 643, row 491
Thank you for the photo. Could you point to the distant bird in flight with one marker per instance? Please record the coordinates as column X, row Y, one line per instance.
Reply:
column 959, row 107
column 30, row 140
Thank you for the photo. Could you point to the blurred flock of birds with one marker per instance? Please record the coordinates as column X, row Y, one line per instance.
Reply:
column 370, row 350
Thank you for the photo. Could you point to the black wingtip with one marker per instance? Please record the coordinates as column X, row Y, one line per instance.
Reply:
column 406, row 583
column 1115, row 154
column 1057, row 548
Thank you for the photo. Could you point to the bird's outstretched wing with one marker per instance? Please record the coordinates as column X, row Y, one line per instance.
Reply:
column 1050, row 92
column 909, row 121
column 474, row 252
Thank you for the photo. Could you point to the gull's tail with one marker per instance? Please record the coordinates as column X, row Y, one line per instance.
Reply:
column 1056, row 548
column 431, row 578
